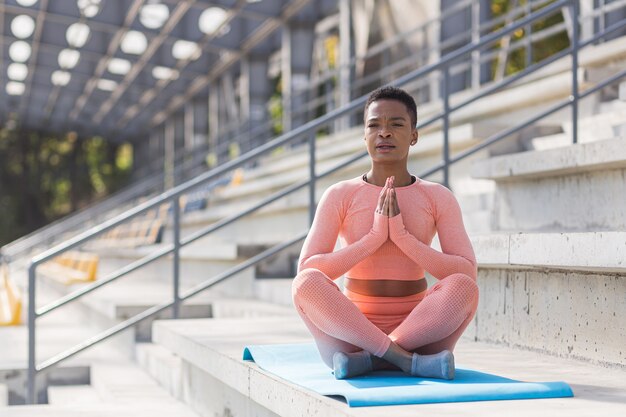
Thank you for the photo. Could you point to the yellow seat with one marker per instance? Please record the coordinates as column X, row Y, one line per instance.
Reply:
column 10, row 301
column 71, row 267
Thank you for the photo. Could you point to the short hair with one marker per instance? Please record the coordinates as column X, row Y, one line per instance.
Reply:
column 393, row 93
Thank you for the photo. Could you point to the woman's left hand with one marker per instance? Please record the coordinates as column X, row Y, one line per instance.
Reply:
column 391, row 200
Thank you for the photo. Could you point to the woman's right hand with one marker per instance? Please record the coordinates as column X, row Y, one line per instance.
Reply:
column 383, row 200
column 387, row 201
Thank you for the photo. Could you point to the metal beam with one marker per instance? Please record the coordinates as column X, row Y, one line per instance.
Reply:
column 153, row 46
column 181, row 65
column 104, row 61
column 229, row 59
column 32, row 62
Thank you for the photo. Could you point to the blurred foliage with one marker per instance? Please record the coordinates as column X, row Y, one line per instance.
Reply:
column 44, row 177
column 541, row 49
column 275, row 106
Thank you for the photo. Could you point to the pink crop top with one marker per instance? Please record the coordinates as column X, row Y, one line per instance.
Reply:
column 374, row 246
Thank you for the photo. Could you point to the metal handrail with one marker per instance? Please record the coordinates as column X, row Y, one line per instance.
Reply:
column 154, row 181
column 307, row 129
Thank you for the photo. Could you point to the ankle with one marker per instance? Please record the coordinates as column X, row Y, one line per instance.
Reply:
column 398, row 357
column 439, row 365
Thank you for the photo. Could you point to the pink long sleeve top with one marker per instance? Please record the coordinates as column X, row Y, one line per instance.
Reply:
column 374, row 246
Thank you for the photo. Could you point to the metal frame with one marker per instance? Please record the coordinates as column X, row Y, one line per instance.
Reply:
column 306, row 130
column 152, row 180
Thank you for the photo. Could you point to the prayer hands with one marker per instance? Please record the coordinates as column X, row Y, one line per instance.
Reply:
column 387, row 202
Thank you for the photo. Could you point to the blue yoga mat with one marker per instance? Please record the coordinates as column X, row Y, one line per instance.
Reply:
column 302, row 365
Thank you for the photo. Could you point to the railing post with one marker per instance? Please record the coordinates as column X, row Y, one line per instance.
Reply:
column 446, row 126
column 176, row 260
column 475, row 71
column 32, row 316
column 529, row 36
column 312, row 177
column 574, row 98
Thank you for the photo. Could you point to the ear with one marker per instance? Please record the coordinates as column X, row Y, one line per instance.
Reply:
column 414, row 135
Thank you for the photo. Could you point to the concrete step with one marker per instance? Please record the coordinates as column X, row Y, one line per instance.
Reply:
column 112, row 304
column 276, row 291
column 163, row 366
column 118, row 388
column 56, row 333
column 121, row 300
column 4, row 395
column 211, row 352
column 561, row 293
column 198, row 262
column 478, row 221
column 240, row 308
column 608, row 123
column 142, row 409
column 575, row 188
column 293, row 210
column 73, row 395
column 291, row 166
column 518, row 102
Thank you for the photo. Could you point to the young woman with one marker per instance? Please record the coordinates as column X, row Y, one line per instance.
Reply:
column 386, row 317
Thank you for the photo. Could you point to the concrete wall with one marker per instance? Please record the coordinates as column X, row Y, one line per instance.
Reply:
column 585, row 201
column 567, row 313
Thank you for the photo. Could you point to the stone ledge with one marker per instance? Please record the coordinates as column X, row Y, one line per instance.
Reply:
column 215, row 347
column 582, row 157
column 586, row 251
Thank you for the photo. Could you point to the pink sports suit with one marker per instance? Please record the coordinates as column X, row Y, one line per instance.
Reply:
column 374, row 246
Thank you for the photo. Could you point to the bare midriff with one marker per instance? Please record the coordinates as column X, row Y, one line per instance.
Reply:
column 385, row 287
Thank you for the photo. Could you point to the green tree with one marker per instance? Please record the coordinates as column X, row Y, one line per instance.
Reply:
column 541, row 49
column 44, row 177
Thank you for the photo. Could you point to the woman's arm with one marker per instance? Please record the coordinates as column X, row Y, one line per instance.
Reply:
column 317, row 251
column 457, row 254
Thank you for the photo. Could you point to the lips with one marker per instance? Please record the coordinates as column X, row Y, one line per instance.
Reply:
column 385, row 147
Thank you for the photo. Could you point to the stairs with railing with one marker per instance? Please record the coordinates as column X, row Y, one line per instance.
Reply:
column 524, row 265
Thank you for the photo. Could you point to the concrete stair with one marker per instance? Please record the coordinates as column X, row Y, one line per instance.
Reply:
column 208, row 354
column 117, row 389
column 552, row 276
column 4, row 395
column 73, row 395
column 574, row 188
column 560, row 293
column 277, row 172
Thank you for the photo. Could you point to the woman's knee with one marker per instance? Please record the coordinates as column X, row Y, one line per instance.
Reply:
column 461, row 284
column 464, row 284
column 463, row 281
column 308, row 280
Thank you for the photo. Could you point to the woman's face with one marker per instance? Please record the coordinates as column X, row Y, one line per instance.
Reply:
column 388, row 131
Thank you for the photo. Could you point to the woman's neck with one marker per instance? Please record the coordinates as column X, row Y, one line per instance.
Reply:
column 378, row 177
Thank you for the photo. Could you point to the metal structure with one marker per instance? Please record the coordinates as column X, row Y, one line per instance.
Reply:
column 301, row 133
column 119, row 68
column 169, row 127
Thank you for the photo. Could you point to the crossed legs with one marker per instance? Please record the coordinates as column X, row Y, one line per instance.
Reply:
column 337, row 325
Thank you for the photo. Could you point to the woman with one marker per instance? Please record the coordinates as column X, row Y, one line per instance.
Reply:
column 387, row 318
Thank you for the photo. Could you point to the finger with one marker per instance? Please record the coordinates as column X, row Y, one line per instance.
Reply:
column 385, row 209
column 395, row 208
column 381, row 199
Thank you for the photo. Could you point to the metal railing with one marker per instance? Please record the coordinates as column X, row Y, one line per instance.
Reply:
column 307, row 131
column 153, row 179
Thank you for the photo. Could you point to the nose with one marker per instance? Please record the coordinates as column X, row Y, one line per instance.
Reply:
column 384, row 132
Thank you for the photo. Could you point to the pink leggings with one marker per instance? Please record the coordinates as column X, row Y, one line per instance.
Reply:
column 425, row 325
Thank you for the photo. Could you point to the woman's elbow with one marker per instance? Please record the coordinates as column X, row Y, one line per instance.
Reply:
column 472, row 268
